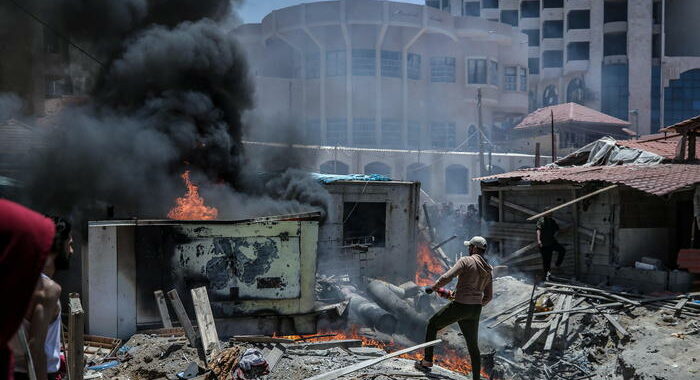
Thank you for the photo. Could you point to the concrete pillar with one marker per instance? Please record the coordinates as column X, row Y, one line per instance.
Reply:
column 639, row 35
column 594, row 77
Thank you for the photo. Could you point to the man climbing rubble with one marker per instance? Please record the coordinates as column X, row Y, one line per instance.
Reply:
column 547, row 229
column 474, row 290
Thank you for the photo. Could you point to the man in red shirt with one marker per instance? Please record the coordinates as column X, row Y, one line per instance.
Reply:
column 474, row 289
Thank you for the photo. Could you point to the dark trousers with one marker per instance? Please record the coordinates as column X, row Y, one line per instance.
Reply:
column 24, row 376
column 468, row 318
column 547, row 251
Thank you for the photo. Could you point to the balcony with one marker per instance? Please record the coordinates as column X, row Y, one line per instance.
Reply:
column 552, row 14
column 615, row 27
column 552, row 44
column 578, row 35
column 576, row 66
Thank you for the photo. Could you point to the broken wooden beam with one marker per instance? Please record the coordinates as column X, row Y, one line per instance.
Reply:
column 614, row 322
column 575, row 309
column 519, row 252
column 76, row 337
column 554, row 325
column 679, row 306
column 259, row 339
column 595, row 290
column 368, row 363
column 182, row 317
column 163, row 309
column 343, row 343
column 205, row 321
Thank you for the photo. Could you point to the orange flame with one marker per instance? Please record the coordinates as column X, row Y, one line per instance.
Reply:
column 191, row 206
column 429, row 267
column 449, row 358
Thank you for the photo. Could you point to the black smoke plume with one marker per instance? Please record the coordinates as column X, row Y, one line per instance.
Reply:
column 170, row 94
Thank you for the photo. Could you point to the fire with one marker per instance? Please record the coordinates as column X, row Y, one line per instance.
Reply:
column 448, row 358
column 191, row 206
column 429, row 267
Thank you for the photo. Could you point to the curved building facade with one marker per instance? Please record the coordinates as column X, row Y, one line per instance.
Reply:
column 368, row 73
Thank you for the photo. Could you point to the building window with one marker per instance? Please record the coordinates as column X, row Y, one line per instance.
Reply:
column 391, row 134
column 489, row 4
column 363, row 62
column 313, row 132
column 615, row 11
column 313, row 66
column 656, row 12
column 533, row 37
column 552, row 58
column 413, row 137
column 509, row 17
column 533, row 65
column 363, row 132
column 656, row 46
column 550, row 96
column 577, row 51
column 615, row 44
column 337, row 132
column 52, row 44
column 413, row 66
column 335, row 63
column 457, row 179
column 377, row 167
column 575, row 91
column 365, row 221
column 510, row 78
column 419, row 173
column 471, row 8
column 553, row 29
column 391, row 64
column 682, row 97
column 579, row 19
column 531, row 101
column 553, row 4
column 476, row 71
column 442, row 69
column 334, row 167
column 615, row 90
column 442, row 135
column 523, row 79
column 530, row 9
column 493, row 73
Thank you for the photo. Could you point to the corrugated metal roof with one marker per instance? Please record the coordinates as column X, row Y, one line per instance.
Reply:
column 569, row 113
column 653, row 179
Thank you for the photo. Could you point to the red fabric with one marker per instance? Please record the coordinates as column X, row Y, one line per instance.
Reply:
column 25, row 241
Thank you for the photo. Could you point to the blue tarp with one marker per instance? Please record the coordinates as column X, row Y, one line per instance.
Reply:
column 330, row 178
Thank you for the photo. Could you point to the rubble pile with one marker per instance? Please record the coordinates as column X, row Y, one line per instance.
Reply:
column 575, row 331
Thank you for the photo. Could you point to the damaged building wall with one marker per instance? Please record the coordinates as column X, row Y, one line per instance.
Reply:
column 606, row 235
column 250, row 268
column 386, row 211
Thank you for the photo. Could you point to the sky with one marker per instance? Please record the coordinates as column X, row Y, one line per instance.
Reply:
column 254, row 10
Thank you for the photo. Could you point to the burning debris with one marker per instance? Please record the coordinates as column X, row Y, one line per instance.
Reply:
column 191, row 206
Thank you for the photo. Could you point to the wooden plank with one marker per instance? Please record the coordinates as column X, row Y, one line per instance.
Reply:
column 163, row 309
column 519, row 252
column 205, row 321
column 76, row 338
column 368, row 363
column 509, row 316
column 614, row 322
column 345, row 343
column 182, row 317
column 554, row 325
column 259, row 339
column 569, row 203
column 274, row 356
column 533, row 338
column 679, row 306
column 522, row 259
column 577, row 309
column 595, row 290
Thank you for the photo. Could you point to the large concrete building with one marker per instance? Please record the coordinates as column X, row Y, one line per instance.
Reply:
column 606, row 54
column 368, row 73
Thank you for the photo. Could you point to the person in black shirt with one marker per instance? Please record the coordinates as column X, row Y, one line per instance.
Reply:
column 547, row 228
